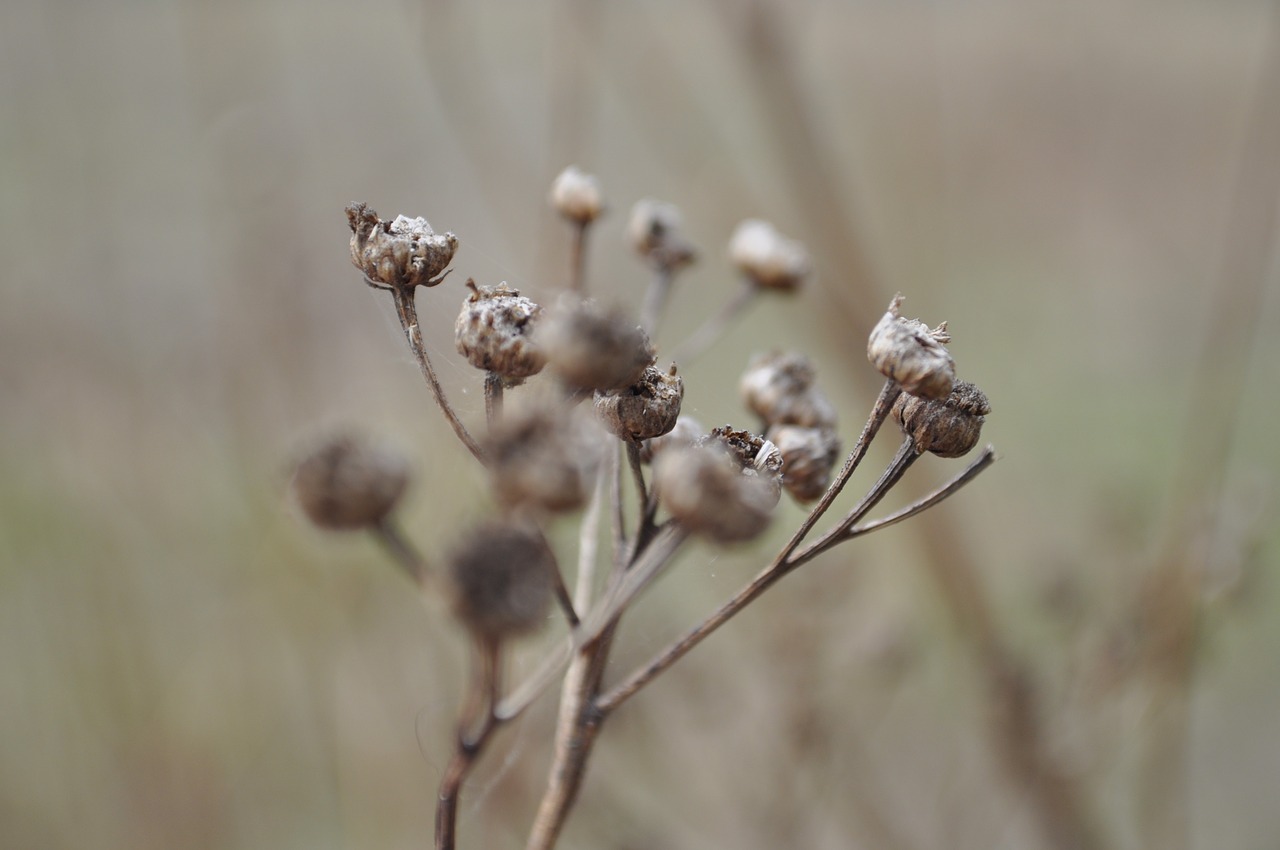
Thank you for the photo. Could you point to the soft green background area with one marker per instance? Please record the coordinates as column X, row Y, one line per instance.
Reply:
column 184, row 664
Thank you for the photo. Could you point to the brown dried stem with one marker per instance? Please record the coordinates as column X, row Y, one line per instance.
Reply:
column 715, row 326
column 476, row 724
column 492, row 397
column 577, row 258
column 655, row 298
column 972, row 471
column 401, row 550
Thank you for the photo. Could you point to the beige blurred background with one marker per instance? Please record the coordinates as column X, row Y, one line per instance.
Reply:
column 1078, row 651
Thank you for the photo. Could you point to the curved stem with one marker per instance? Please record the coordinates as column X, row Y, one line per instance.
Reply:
column 711, row 330
column 472, row 735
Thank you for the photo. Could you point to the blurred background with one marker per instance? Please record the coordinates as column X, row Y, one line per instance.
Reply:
column 1077, row 651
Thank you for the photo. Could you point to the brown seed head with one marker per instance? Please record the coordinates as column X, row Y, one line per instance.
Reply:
column 779, row 388
column 706, row 489
column 576, row 196
column 501, row 580
column 349, row 483
column 647, row 408
column 590, row 348
column 403, row 253
column 808, row 454
column 686, row 432
column 768, row 259
column 494, row 332
column 544, row 458
column 907, row 351
column 654, row 231
column 948, row 428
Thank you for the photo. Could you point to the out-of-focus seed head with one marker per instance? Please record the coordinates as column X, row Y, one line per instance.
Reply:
column 590, row 348
column 501, row 580
column 907, row 351
column 647, row 408
column 808, row 455
column 686, row 432
column 768, row 259
column 706, row 489
column 779, row 388
column 494, row 332
column 655, row 232
column 948, row 428
column 543, row 458
column 756, row 456
column 401, row 254
column 348, row 483
column 576, row 195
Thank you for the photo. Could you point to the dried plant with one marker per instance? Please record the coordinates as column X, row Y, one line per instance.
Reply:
column 553, row 455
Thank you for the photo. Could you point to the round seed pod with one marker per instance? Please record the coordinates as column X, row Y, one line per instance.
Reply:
column 768, row 259
column 779, row 388
column 544, row 458
column 647, row 408
column 705, row 489
column 494, row 332
column 808, row 454
column 403, row 253
column 948, row 428
column 576, row 196
column 501, row 580
column 907, row 351
column 590, row 348
column 755, row 456
column 686, row 432
column 654, row 231
column 349, row 483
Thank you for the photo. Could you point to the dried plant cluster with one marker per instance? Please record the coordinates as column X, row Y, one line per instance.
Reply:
column 596, row 406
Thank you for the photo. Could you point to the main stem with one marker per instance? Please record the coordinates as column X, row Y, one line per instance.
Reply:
column 482, row 702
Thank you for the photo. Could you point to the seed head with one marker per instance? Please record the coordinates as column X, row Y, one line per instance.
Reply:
column 544, row 458
column 647, row 408
column 906, row 351
column 948, row 428
column 594, row 349
column 501, row 579
column 686, row 432
column 808, row 454
column 576, row 196
column 755, row 456
column 779, row 388
column 706, row 489
column 654, row 231
column 768, row 259
column 349, row 483
column 403, row 253
column 494, row 332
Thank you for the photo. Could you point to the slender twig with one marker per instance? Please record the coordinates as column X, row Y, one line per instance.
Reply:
column 476, row 724
column 972, row 471
column 408, row 314
column 400, row 549
column 577, row 258
column 492, row 398
column 655, row 298
column 711, row 330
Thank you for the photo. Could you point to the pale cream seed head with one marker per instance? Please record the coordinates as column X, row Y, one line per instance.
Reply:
column 768, row 259
column 907, row 351
column 576, row 195
column 494, row 331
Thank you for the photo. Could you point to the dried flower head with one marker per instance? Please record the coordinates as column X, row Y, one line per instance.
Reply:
column 494, row 332
column 948, row 428
column 544, row 458
column 706, row 489
column 576, row 196
column 755, row 456
column 593, row 349
column 349, row 483
column 686, row 432
column 768, row 259
column 501, row 579
column 907, row 351
column 403, row 253
column 654, row 231
column 808, row 455
column 647, row 408
column 779, row 388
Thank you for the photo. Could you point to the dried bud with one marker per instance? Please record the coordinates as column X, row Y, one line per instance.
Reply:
column 403, row 253
column 592, row 349
column 348, row 483
column 654, row 233
column 905, row 350
column 647, row 408
column 543, row 458
column 756, row 456
column 494, row 332
column 686, row 432
column 502, row 580
column 779, row 388
column 808, row 454
column 769, row 259
column 948, row 428
column 576, row 196
column 706, row 489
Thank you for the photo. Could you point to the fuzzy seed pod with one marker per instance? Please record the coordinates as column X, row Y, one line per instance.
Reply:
column 706, row 489
column 543, row 458
column 808, row 454
column 501, row 580
column 403, row 253
column 654, row 231
column 494, row 332
column 576, row 196
column 591, row 349
column 779, row 388
column 686, row 432
column 768, row 259
column 349, row 483
column 906, row 351
column 948, row 428
column 647, row 408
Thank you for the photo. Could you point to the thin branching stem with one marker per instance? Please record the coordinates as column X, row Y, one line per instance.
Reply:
column 578, row 258
column 476, row 725
column 655, row 298
column 400, row 549
column 972, row 471
column 712, row 329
